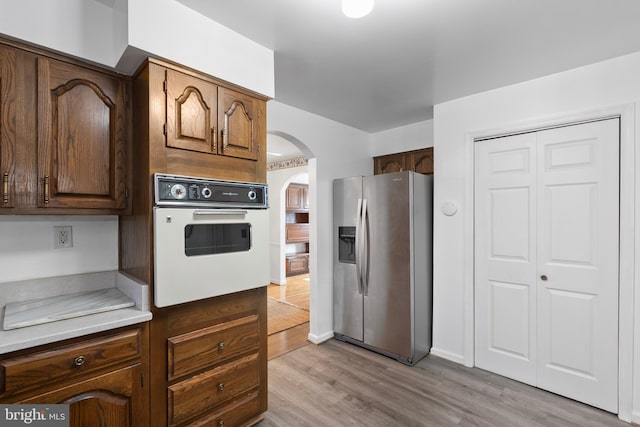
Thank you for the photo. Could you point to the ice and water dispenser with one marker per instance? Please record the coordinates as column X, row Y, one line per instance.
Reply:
column 347, row 244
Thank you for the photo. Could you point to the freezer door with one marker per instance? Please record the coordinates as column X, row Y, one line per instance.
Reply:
column 388, row 289
column 347, row 295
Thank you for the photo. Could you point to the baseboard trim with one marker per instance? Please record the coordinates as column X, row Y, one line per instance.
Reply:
column 448, row 355
column 635, row 418
column 319, row 339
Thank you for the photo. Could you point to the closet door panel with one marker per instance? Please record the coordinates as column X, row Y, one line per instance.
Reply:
column 578, row 211
column 505, row 256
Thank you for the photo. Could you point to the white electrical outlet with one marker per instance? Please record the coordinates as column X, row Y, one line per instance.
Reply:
column 62, row 236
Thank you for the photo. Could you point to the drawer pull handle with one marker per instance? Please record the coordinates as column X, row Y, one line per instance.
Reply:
column 221, row 387
column 220, row 423
column 221, row 346
column 79, row 361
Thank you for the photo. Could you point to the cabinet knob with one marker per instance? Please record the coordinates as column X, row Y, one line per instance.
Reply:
column 221, row 387
column 221, row 346
column 220, row 423
column 79, row 361
column 543, row 277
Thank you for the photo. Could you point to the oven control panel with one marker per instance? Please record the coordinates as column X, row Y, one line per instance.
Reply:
column 176, row 190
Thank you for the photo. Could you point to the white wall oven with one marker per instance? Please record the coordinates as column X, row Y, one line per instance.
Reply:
column 210, row 238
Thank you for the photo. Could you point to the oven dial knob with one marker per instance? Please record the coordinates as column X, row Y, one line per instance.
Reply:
column 178, row 191
column 206, row 192
column 252, row 195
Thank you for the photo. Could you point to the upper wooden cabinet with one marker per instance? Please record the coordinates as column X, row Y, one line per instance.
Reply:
column 390, row 163
column 64, row 141
column 420, row 161
column 191, row 113
column 239, row 117
column 204, row 117
column 297, row 197
column 8, row 125
column 196, row 125
column 82, row 137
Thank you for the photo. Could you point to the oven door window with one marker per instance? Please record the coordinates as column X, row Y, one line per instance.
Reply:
column 209, row 239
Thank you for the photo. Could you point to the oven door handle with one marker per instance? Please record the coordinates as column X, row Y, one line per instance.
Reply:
column 219, row 212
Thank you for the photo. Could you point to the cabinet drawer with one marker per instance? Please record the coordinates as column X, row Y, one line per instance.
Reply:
column 195, row 350
column 297, row 233
column 232, row 414
column 21, row 373
column 202, row 392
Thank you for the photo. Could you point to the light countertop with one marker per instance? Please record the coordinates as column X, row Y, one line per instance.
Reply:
column 31, row 336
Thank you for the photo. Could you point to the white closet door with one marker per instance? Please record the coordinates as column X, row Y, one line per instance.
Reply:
column 578, row 220
column 505, row 256
column 547, row 233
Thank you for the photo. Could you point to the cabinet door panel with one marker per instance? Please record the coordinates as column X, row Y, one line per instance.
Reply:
column 422, row 161
column 17, row 128
column 191, row 113
column 390, row 164
column 109, row 400
column 238, row 117
column 81, row 137
column 7, row 123
column 294, row 197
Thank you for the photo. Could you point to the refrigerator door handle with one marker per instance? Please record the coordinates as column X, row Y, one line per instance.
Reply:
column 359, row 247
column 365, row 248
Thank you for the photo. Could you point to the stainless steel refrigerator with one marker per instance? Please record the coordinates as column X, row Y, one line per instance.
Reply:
column 382, row 276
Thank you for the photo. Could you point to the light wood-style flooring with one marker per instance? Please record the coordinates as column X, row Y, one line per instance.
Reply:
column 339, row 384
column 295, row 292
column 292, row 326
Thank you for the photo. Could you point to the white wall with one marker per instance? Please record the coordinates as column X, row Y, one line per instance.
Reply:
column 171, row 30
column 27, row 252
column 111, row 32
column 123, row 35
column 585, row 92
column 404, row 138
column 82, row 28
column 339, row 151
column 278, row 180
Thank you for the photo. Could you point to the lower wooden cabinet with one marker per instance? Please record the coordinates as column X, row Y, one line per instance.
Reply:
column 215, row 368
column 213, row 387
column 100, row 377
column 297, row 264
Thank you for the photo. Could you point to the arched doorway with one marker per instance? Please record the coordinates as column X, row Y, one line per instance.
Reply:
column 290, row 163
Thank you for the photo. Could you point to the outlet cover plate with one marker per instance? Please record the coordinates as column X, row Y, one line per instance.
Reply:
column 62, row 236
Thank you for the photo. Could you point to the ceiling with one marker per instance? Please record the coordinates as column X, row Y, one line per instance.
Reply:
column 389, row 68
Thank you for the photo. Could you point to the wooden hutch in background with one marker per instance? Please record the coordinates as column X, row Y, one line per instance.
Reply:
column 297, row 229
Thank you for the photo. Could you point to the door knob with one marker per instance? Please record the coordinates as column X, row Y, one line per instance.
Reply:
column 543, row 278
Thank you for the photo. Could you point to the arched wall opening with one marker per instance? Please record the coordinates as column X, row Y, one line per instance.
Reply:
column 278, row 181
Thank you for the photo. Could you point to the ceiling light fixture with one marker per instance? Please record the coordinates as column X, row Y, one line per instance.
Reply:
column 357, row 8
